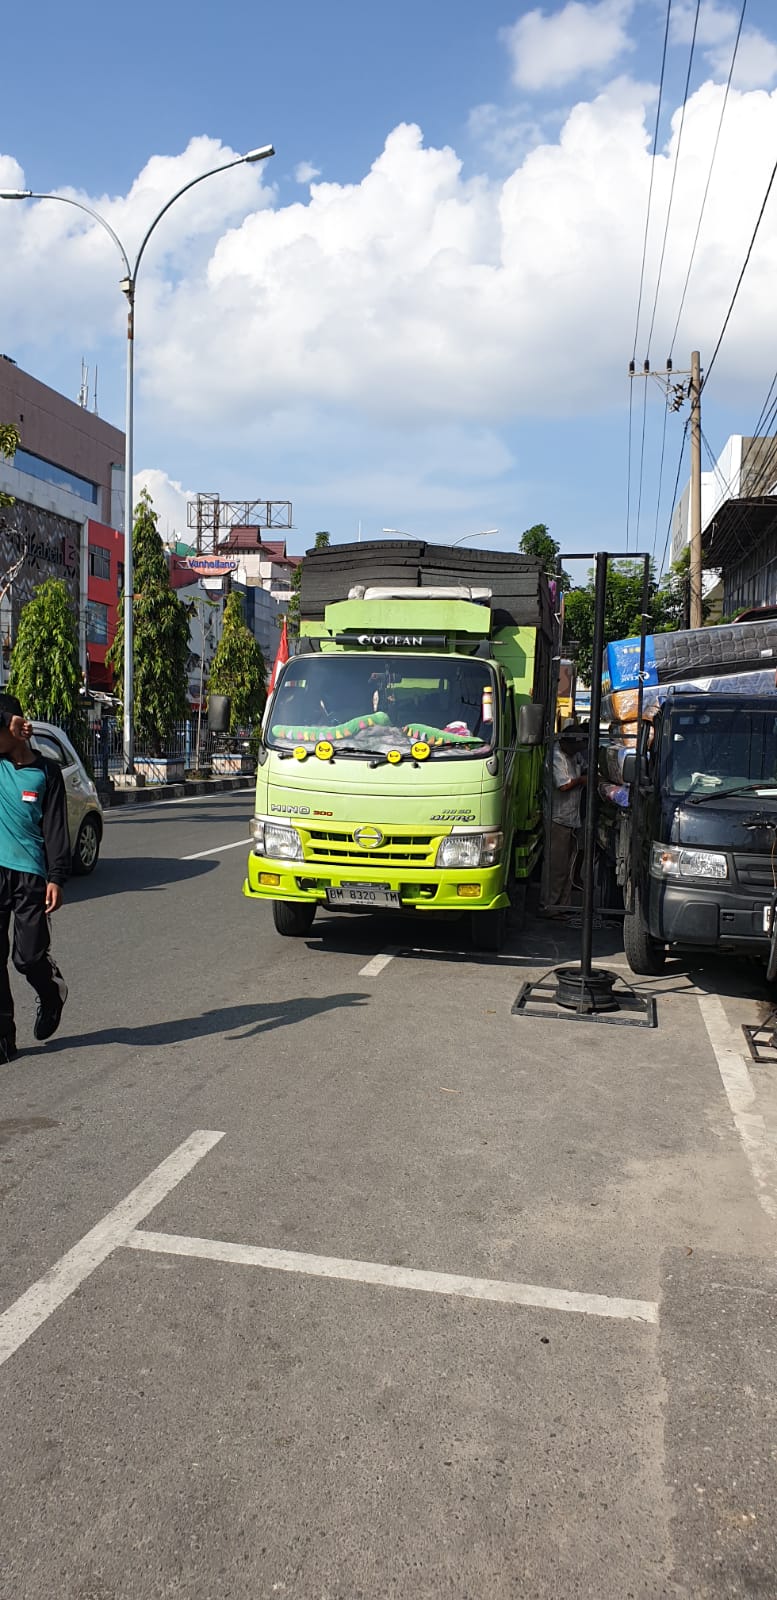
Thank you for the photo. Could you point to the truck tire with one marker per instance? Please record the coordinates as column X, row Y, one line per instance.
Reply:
column 488, row 929
column 645, row 956
column 293, row 918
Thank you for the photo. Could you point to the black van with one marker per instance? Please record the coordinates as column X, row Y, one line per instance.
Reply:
column 698, row 844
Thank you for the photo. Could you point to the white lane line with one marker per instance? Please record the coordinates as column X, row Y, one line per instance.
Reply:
column 446, row 1283
column 216, row 850
column 49, row 1292
column 377, row 964
column 134, row 808
column 758, row 1141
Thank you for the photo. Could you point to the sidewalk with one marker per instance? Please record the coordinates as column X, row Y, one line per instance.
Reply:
column 153, row 793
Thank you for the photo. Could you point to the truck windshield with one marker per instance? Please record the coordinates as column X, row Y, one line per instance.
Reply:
column 370, row 704
column 720, row 751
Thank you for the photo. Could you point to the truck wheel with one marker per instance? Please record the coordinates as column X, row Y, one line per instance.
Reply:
column 488, row 929
column 293, row 918
column 644, row 955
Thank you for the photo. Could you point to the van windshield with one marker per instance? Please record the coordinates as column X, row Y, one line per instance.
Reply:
column 719, row 751
column 369, row 704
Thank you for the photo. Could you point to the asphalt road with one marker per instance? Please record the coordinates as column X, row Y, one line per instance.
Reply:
column 340, row 1284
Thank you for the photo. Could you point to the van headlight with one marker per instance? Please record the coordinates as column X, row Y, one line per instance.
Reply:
column 275, row 840
column 470, row 849
column 671, row 861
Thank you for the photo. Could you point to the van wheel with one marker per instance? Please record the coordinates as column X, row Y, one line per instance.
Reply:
column 87, row 848
column 293, row 918
column 488, row 929
column 644, row 955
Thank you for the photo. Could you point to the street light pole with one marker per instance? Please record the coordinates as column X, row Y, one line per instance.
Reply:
column 485, row 533
column 127, row 286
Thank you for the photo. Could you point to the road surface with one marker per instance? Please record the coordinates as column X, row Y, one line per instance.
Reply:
column 326, row 1276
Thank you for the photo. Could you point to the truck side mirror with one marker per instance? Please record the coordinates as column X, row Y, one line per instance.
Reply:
column 219, row 713
column 629, row 769
column 531, row 724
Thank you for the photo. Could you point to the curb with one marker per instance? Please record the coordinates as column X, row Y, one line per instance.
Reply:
column 172, row 791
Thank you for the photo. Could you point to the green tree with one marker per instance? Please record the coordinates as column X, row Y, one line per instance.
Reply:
column 45, row 666
column 623, row 608
column 238, row 667
column 161, row 636
column 10, row 439
column 537, row 541
column 321, row 542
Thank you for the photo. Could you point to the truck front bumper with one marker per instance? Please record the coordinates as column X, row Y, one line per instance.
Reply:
column 713, row 916
column 419, row 888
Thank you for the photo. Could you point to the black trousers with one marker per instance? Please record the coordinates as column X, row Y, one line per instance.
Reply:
column 23, row 895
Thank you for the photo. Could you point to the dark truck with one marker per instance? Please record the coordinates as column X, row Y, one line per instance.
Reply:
column 695, row 852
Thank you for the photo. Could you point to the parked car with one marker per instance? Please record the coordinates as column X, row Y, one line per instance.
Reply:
column 84, row 812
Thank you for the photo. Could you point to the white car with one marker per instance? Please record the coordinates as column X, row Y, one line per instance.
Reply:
column 84, row 812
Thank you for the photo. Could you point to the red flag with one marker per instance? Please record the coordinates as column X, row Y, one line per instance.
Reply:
column 281, row 658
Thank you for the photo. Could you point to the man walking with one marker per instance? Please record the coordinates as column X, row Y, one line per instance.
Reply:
column 568, row 784
column 34, row 864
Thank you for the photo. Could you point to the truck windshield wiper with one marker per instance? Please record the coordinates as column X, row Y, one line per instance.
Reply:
column 739, row 788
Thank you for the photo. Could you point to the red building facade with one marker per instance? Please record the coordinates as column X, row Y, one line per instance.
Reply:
column 105, row 585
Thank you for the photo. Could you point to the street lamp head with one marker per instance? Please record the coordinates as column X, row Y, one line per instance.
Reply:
column 261, row 153
column 15, row 194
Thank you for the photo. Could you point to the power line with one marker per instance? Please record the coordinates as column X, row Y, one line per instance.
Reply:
column 674, row 492
column 674, row 176
column 641, row 466
column 660, row 482
column 652, row 174
column 709, row 174
column 726, row 319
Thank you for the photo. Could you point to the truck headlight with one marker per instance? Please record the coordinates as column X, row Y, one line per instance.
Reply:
column 279, row 842
column 671, row 861
column 470, row 849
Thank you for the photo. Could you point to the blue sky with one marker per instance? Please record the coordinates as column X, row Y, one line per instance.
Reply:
column 430, row 332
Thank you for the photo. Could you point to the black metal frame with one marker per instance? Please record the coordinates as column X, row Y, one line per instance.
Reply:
column 762, row 1037
column 544, row 992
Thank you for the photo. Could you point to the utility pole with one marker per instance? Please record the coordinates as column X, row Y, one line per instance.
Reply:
column 695, row 569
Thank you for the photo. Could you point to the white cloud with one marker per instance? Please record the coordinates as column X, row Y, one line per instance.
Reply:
column 417, row 298
column 548, row 50
column 756, row 63
column 170, row 502
column 305, row 172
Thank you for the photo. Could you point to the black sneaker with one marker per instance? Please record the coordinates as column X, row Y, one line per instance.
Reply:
column 8, row 1051
column 49, row 1017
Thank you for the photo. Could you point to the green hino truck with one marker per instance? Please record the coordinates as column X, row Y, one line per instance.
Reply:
column 401, row 763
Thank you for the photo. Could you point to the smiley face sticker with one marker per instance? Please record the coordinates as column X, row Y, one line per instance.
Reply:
column 300, row 753
column 324, row 750
column 420, row 751
column 394, row 756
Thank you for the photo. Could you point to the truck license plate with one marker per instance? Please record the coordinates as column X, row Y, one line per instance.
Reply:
column 362, row 894
column 767, row 919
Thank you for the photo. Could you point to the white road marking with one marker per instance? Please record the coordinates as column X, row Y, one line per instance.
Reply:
column 216, row 850
column 758, row 1141
column 377, row 964
column 387, row 1277
column 129, row 812
column 44, row 1297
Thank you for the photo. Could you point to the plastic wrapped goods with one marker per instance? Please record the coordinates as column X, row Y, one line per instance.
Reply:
column 616, row 793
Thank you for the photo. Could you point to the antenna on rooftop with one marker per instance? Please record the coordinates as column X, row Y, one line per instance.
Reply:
column 94, row 407
column 83, row 393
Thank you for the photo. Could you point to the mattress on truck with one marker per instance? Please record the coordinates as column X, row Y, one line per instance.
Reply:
column 692, row 653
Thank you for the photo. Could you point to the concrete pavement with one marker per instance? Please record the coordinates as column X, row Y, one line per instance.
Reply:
column 190, row 1417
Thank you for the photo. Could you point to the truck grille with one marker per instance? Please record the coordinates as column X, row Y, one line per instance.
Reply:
column 418, row 849
column 756, row 872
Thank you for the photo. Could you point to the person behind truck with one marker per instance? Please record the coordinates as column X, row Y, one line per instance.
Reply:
column 568, row 785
